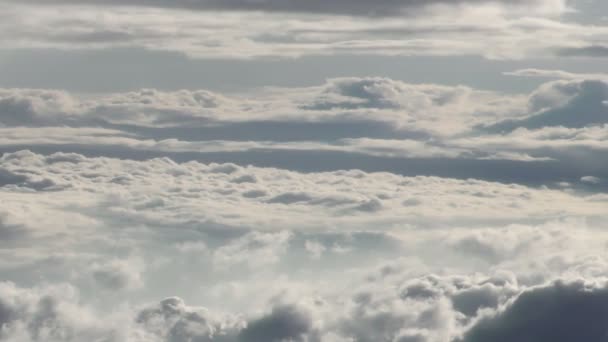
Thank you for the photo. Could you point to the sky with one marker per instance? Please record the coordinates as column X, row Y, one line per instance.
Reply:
column 303, row 170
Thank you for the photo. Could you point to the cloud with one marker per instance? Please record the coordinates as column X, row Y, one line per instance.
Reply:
column 370, row 123
column 575, row 104
column 397, row 299
column 141, row 204
column 342, row 7
column 255, row 249
column 293, row 28
column 558, row 74
column 173, row 321
column 563, row 311
column 34, row 107
column 49, row 314
column 9, row 178
column 342, row 108
column 284, row 323
column 598, row 51
column 10, row 231
column 117, row 275
column 334, row 193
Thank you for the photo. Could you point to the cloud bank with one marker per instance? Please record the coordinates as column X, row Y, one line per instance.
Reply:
column 285, row 29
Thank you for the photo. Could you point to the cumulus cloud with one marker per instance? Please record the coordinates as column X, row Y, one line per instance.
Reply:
column 372, row 123
column 562, row 311
column 34, row 107
column 47, row 314
column 575, row 104
column 172, row 320
column 144, row 203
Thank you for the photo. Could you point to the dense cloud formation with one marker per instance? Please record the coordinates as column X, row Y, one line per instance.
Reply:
column 352, row 203
column 559, row 312
column 241, row 29
column 373, row 124
column 143, row 229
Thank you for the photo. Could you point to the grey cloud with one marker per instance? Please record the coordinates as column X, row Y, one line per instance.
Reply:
column 341, row 7
column 284, row 323
column 245, row 179
column 11, row 178
column 7, row 178
column 116, row 275
column 255, row 193
column 470, row 301
column 457, row 34
column 557, row 74
column 46, row 315
column 359, row 93
column 172, row 321
column 572, row 104
column 598, row 51
column 564, row 311
column 371, row 205
column 421, row 289
column 31, row 107
column 10, row 231
column 308, row 161
column 290, row 198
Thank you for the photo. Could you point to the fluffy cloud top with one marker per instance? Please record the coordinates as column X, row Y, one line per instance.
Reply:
column 361, row 209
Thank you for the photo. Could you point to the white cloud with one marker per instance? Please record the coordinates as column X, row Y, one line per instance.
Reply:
column 494, row 29
column 263, row 254
column 591, row 180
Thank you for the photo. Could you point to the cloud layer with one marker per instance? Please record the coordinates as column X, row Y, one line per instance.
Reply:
column 262, row 29
column 344, row 7
column 342, row 208
column 372, row 124
column 272, row 255
column 359, row 209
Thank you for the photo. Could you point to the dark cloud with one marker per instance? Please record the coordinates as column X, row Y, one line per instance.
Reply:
column 7, row 314
column 284, row 323
column 420, row 289
column 562, row 312
column 469, row 301
column 341, row 7
column 173, row 321
column 572, row 104
column 10, row 178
